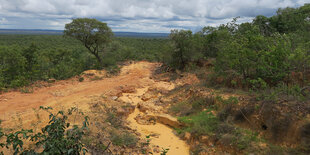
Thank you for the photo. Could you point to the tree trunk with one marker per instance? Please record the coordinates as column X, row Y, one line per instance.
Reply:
column 99, row 59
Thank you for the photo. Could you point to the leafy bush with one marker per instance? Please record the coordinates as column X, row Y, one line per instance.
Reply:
column 58, row 137
column 183, row 51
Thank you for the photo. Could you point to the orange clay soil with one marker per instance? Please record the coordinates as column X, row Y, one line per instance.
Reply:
column 18, row 110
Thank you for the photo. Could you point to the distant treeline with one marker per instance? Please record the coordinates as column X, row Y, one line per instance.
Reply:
column 60, row 32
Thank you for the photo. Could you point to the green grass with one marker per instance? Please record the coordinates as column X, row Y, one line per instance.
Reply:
column 203, row 123
column 124, row 139
column 244, row 138
column 192, row 106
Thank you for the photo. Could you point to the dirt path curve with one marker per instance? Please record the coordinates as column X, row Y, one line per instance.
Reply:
column 17, row 109
column 68, row 93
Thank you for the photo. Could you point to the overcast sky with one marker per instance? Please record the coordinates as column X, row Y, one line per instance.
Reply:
column 135, row 15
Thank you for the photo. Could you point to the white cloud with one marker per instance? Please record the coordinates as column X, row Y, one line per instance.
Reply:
column 137, row 15
column 3, row 21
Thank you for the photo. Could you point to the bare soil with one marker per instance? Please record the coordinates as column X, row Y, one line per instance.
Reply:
column 19, row 110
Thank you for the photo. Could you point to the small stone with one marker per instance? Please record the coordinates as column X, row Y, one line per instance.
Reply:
column 51, row 80
column 156, row 150
column 114, row 98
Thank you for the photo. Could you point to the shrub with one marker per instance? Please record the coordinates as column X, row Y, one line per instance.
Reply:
column 58, row 137
column 183, row 51
column 81, row 79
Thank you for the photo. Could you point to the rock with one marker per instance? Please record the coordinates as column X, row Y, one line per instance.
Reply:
column 147, row 96
column 138, row 134
column 143, row 107
column 143, row 120
column 127, row 89
column 100, row 73
column 124, row 111
column 167, row 120
column 204, row 139
column 187, row 136
column 156, row 150
column 119, row 94
column 52, row 80
column 155, row 135
column 114, row 98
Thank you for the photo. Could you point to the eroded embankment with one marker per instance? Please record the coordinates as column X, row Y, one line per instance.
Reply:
column 161, row 136
column 19, row 110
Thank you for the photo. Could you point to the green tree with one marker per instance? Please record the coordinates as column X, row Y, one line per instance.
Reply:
column 31, row 61
column 12, row 67
column 94, row 35
column 183, row 52
column 264, row 25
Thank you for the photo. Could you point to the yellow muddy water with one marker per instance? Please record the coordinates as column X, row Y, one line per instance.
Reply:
column 166, row 138
column 71, row 93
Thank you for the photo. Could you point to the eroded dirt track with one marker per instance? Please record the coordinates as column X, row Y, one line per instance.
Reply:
column 17, row 110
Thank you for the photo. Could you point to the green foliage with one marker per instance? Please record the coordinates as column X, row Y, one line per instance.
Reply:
column 183, row 51
column 93, row 34
column 212, row 37
column 203, row 123
column 230, row 100
column 259, row 55
column 258, row 84
column 291, row 19
column 124, row 139
column 58, row 137
column 255, row 54
column 193, row 106
column 25, row 59
column 243, row 138
column 81, row 79
column 164, row 151
column 26, row 90
column 282, row 92
column 181, row 108
column 12, row 65
column 113, row 119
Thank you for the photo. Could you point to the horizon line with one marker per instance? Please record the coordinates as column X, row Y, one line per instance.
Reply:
column 63, row 30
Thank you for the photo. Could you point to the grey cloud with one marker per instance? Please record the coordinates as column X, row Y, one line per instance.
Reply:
column 136, row 15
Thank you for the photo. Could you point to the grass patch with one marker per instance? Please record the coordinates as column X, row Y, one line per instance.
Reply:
column 244, row 138
column 192, row 106
column 114, row 120
column 203, row 123
column 181, row 108
column 96, row 78
column 26, row 90
column 123, row 139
